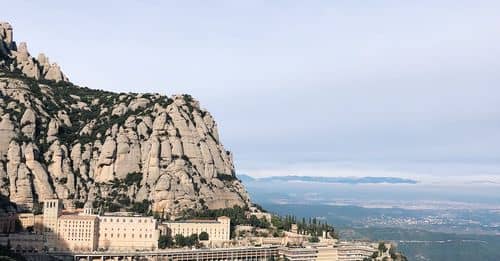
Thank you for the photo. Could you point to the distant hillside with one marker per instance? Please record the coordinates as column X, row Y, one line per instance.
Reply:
column 344, row 180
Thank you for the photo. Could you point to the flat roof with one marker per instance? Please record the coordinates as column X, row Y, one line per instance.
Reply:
column 193, row 221
column 123, row 214
column 78, row 217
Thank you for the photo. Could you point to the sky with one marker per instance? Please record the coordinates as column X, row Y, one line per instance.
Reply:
column 335, row 88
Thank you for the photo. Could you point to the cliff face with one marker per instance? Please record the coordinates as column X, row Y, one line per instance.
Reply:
column 78, row 144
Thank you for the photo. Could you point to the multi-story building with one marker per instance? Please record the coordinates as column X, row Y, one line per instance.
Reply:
column 51, row 212
column 27, row 220
column 352, row 251
column 313, row 252
column 217, row 230
column 298, row 254
column 327, row 253
column 31, row 222
column 84, row 231
column 77, row 232
column 124, row 232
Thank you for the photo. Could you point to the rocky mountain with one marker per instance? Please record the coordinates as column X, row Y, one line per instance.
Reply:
column 148, row 151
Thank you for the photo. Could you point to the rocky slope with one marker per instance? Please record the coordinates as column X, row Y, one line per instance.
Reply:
column 78, row 144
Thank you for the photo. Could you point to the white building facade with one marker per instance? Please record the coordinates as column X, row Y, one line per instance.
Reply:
column 217, row 230
column 84, row 231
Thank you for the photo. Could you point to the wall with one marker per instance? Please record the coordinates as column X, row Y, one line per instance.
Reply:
column 126, row 233
column 218, row 230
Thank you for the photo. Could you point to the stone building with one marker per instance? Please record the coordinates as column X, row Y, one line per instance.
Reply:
column 51, row 212
column 298, row 254
column 217, row 230
column 352, row 251
column 77, row 232
column 122, row 232
column 30, row 221
column 83, row 231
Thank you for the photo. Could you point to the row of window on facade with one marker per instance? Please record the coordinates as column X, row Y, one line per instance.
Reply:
column 124, row 220
column 197, row 231
column 125, row 229
column 125, row 235
column 77, row 238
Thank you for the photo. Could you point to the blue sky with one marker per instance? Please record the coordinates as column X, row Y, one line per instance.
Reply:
column 340, row 88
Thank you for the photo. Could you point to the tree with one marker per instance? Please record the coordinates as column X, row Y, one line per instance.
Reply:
column 183, row 241
column 18, row 226
column 133, row 178
column 141, row 207
column 165, row 241
column 180, row 240
column 314, row 239
column 192, row 240
column 157, row 215
column 203, row 236
column 37, row 208
column 382, row 247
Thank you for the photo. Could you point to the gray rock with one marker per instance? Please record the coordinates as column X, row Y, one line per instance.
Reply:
column 54, row 144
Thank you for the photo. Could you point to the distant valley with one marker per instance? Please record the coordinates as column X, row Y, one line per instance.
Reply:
column 427, row 221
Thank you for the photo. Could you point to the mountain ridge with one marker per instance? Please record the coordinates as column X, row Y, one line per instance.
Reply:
column 149, row 151
column 322, row 179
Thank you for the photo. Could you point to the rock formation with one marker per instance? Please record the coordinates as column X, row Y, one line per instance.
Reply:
column 121, row 151
column 17, row 58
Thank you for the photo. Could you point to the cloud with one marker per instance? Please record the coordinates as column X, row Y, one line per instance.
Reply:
column 388, row 82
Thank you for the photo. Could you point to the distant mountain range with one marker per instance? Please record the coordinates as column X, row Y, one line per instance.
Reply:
column 344, row 180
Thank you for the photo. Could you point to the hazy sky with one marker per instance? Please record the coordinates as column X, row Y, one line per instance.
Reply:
column 300, row 87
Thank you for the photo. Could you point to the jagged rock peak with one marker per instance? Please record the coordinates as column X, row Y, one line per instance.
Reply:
column 141, row 152
column 17, row 58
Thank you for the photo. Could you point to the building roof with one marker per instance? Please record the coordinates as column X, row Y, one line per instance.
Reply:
column 124, row 214
column 193, row 221
column 71, row 212
column 205, row 221
column 77, row 217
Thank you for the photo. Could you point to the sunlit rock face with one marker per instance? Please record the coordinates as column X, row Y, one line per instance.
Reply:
column 81, row 145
